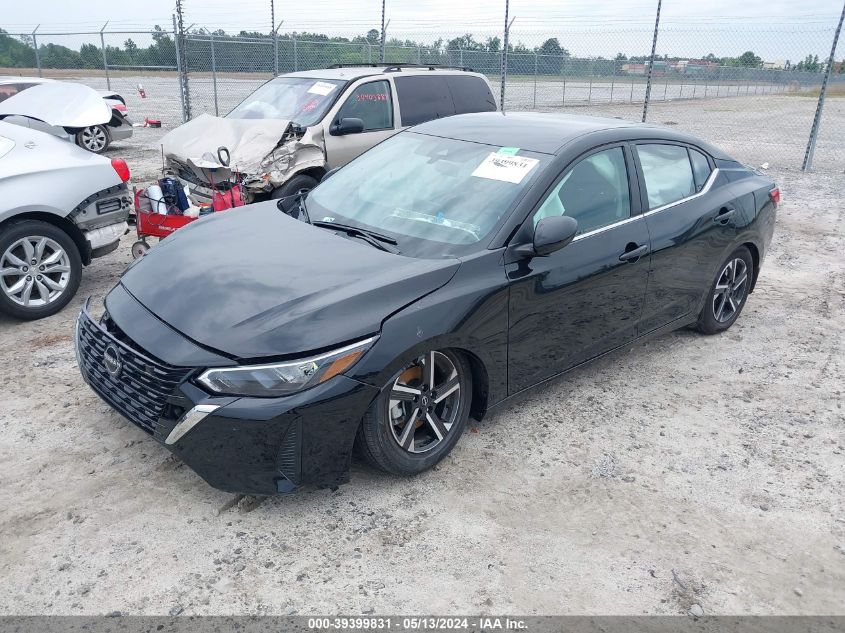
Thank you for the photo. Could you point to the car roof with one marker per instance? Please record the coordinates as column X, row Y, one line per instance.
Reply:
column 356, row 72
column 544, row 132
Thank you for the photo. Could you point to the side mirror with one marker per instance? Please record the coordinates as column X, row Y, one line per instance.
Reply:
column 329, row 174
column 550, row 235
column 346, row 126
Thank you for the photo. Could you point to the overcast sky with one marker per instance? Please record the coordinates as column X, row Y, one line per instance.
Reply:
column 774, row 29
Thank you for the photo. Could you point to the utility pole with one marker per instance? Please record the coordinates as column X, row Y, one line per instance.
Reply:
column 817, row 119
column 651, row 63
column 382, row 31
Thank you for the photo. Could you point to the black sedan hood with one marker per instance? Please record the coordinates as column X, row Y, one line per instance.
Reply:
column 253, row 282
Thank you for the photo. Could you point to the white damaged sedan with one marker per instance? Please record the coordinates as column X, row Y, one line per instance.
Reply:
column 60, row 207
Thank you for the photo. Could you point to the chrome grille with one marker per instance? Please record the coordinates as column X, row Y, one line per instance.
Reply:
column 143, row 385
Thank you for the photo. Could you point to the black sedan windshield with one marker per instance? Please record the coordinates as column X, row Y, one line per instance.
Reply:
column 435, row 195
column 302, row 100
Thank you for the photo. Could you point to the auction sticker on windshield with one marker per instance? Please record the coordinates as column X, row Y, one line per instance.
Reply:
column 321, row 88
column 505, row 168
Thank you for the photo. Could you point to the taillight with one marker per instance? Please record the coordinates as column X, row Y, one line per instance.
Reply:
column 119, row 107
column 121, row 168
column 774, row 194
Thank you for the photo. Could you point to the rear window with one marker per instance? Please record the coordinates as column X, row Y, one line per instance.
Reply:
column 667, row 172
column 700, row 168
column 423, row 98
column 470, row 94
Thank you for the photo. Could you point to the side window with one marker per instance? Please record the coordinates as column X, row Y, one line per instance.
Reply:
column 667, row 172
column 372, row 104
column 470, row 94
column 423, row 98
column 700, row 168
column 595, row 192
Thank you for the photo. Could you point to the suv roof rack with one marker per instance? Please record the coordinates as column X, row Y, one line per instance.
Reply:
column 395, row 68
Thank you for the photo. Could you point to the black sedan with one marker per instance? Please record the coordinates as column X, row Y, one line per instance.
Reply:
column 434, row 277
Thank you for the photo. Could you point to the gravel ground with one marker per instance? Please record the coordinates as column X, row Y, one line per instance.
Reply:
column 691, row 473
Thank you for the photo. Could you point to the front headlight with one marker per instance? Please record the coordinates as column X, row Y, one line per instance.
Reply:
column 279, row 379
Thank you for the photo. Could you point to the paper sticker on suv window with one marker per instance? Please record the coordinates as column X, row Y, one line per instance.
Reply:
column 508, row 151
column 505, row 168
column 321, row 88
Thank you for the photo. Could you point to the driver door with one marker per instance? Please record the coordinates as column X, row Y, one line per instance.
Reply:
column 373, row 103
column 588, row 297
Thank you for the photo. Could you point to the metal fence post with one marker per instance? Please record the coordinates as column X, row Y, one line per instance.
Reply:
column 612, row 81
column 504, row 73
column 535, row 79
column 295, row 54
column 214, row 75
column 383, row 34
column 817, row 119
column 105, row 59
column 651, row 63
column 37, row 54
column 179, row 70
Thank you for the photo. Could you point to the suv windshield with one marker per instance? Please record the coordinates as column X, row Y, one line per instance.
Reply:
column 302, row 100
column 435, row 195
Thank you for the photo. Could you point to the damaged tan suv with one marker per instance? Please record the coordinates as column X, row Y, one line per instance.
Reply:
column 286, row 135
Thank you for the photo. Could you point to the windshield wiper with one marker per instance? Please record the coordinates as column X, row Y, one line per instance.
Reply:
column 373, row 238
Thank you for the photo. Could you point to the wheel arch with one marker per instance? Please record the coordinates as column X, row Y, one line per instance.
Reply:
column 59, row 222
column 315, row 172
column 480, row 382
column 755, row 257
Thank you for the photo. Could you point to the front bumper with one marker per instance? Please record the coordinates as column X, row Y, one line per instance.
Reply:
column 244, row 445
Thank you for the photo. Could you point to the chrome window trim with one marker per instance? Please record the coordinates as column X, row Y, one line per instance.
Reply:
column 705, row 189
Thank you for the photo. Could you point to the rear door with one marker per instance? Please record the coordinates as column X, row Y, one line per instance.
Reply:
column 586, row 298
column 691, row 219
column 373, row 103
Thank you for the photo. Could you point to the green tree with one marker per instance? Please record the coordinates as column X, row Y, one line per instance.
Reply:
column 749, row 60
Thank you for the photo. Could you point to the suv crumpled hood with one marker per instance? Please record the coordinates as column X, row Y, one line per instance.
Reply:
column 253, row 282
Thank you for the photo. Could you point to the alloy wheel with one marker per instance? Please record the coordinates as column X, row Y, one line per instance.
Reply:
column 425, row 400
column 94, row 138
column 34, row 271
column 731, row 290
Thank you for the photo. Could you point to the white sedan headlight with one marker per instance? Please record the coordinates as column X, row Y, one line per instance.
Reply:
column 279, row 379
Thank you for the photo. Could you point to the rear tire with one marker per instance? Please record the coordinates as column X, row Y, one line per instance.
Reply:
column 728, row 293
column 33, row 291
column 297, row 184
column 416, row 420
column 94, row 138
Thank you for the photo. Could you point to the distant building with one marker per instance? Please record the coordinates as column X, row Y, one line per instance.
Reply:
column 634, row 69
column 778, row 64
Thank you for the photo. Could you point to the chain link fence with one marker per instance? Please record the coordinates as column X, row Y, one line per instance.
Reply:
column 761, row 111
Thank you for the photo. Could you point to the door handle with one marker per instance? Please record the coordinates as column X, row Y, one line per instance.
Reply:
column 724, row 215
column 634, row 254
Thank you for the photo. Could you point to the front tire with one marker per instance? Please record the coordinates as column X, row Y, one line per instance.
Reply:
column 298, row 184
column 94, row 138
column 40, row 269
column 728, row 293
column 420, row 414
